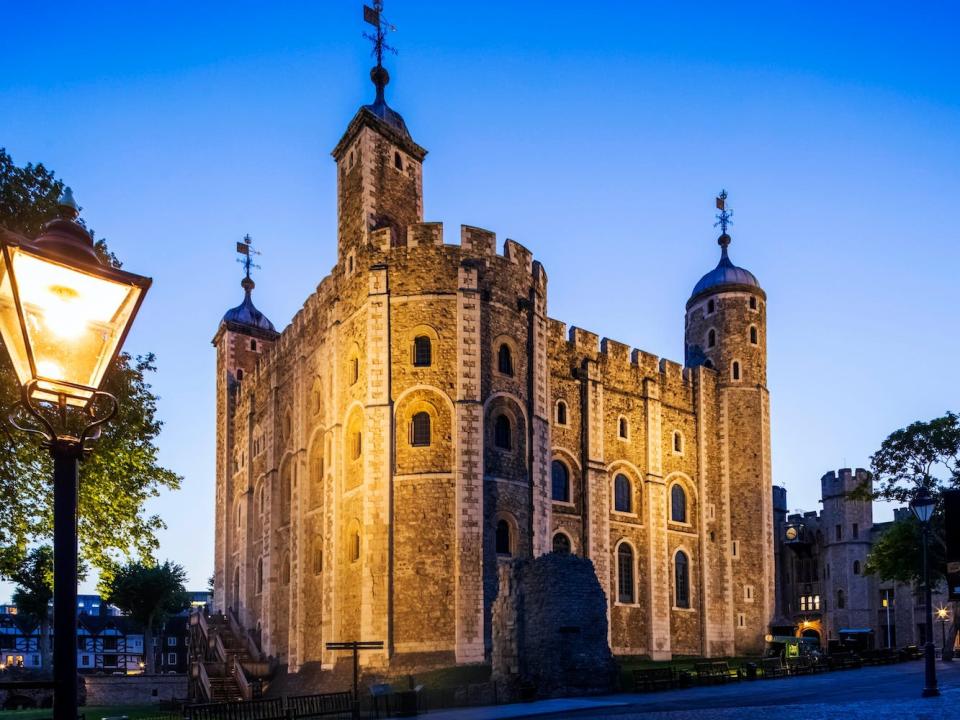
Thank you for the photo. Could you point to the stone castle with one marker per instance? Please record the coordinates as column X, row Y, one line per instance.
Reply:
column 422, row 418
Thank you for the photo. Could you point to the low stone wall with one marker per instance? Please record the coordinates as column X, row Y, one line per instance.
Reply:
column 134, row 689
column 550, row 628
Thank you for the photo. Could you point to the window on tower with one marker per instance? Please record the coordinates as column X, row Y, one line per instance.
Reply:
column 753, row 334
column 625, row 584
column 560, row 478
column 622, row 494
column 397, row 161
column 253, row 345
column 505, row 360
column 561, row 412
column 712, row 338
column 239, row 374
column 753, row 303
column 736, row 370
column 561, row 544
column 421, row 351
column 502, row 434
column 503, row 539
column 710, row 307
column 681, row 580
column 420, row 430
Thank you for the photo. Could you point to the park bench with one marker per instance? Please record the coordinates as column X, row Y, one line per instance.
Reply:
column 844, row 661
column 772, row 668
column 242, row 710
column 338, row 704
column 800, row 665
column 711, row 673
column 661, row 678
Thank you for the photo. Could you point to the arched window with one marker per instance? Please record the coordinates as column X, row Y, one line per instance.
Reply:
column 239, row 374
column 736, row 370
column 420, row 430
column 259, row 575
column 354, row 369
column 285, row 571
column 355, row 544
column 317, row 558
column 712, row 338
column 421, row 351
column 561, row 481
column 622, row 494
column 253, row 345
column 505, row 360
column 625, row 584
column 561, row 544
column 677, row 442
column 753, row 303
column 841, row 600
column 681, row 580
column 502, row 434
column 356, row 444
column 753, row 334
column 261, row 499
column 561, row 412
column 397, row 161
column 503, row 540
column 678, row 504
column 856, row 567
column 623, row 429
column 711, row 306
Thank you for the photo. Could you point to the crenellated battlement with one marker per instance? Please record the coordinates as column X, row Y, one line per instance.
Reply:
column 843, row 482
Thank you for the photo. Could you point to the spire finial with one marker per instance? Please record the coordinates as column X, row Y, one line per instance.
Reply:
column 374, row 16
column 244, row 248
column 724, row 219
column 69, row 209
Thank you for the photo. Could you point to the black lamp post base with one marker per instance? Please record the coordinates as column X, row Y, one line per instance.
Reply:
column 930, row 692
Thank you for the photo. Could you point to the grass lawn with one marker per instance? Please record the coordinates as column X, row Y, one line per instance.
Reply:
column 94, row 712
column 630, row 663
column 445, row 678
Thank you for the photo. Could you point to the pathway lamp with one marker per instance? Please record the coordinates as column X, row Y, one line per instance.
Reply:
column 64, row 315
column 922, row 506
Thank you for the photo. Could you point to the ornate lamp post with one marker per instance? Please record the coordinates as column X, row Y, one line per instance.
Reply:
column 63, row 317
column 922, row 506
column 943, row 615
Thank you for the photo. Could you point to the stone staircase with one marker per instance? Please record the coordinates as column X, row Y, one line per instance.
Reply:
column 219, row 657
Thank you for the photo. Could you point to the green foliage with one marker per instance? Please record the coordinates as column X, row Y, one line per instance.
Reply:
column 32, row 572
column 123, row 471
column 921, row 455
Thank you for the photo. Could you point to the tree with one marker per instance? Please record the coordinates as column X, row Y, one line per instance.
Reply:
column 921, row 455
column 149, row 594
column 123, row 471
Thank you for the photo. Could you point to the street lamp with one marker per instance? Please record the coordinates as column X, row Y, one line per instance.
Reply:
column 943, row 615
column 63, row 317
column 922, row 506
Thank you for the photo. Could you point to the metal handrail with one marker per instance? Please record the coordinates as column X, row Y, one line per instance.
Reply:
column 218, row 651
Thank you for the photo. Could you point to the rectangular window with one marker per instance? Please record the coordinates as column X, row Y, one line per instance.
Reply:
column 172, row 641
column 816, row 602
column 171, row 658
column 109, row 643
column 735, row 549
column 711, row 511
column 839, row 532
column 85, row 660
column 741, row 620
column 856, row 531
column 803, row 603
column 748, row 593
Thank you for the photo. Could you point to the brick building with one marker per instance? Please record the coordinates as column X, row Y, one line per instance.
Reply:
column 422, row 417
column 822, row 589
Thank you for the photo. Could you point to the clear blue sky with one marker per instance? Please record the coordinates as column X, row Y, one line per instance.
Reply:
column 595, row 133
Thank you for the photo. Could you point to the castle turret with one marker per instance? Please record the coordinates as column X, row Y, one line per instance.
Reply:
column 379, row 176
column 726, row 332
column 243, row 335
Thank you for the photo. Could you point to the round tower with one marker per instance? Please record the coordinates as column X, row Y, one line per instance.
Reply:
column 726, row 331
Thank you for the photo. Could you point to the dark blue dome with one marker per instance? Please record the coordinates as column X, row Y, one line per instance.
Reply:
column 725, row 273
column 246, row 313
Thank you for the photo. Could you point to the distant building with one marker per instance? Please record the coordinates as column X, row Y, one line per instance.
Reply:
column 107, row 641
column 822, row 589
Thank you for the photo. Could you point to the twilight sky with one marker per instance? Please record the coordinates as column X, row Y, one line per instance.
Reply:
column 596, row 134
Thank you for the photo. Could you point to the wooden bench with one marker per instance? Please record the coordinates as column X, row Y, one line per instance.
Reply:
column 844, row 661
column 711, row 673
column 243, row 710
column 772, row 668
column 799, row 665
column 661, row 678
column 320, row 705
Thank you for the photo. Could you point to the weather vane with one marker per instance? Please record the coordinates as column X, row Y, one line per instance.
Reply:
column 724, row 217
column 374, row 16
column 244, row 248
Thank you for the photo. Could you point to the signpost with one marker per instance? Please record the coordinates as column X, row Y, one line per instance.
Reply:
column 356, row 646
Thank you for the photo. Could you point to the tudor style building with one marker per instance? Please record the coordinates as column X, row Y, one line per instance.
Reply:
column 422, row 417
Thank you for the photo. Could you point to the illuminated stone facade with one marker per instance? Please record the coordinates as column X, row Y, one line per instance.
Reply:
column 421, row 416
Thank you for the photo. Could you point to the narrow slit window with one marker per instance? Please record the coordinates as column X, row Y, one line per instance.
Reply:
column 561, row 413
column 625, row 584
column 712, row 338
column 736, row 370
column 753, row 335
column 502, row 433
column 505, row 360
column 681, row 580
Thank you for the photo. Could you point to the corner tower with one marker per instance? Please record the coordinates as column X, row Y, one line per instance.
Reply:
column 243, row 335
column 379, row 174
column 726, row 332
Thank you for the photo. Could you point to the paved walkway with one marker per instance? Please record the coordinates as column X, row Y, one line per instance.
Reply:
column 871, row 693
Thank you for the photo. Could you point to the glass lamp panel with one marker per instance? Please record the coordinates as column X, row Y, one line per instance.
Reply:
column 74, row 321
column 10, row 328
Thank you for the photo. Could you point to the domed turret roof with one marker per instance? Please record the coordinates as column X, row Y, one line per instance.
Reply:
column 246, row 314
column 379, row 106
column 725, row 273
